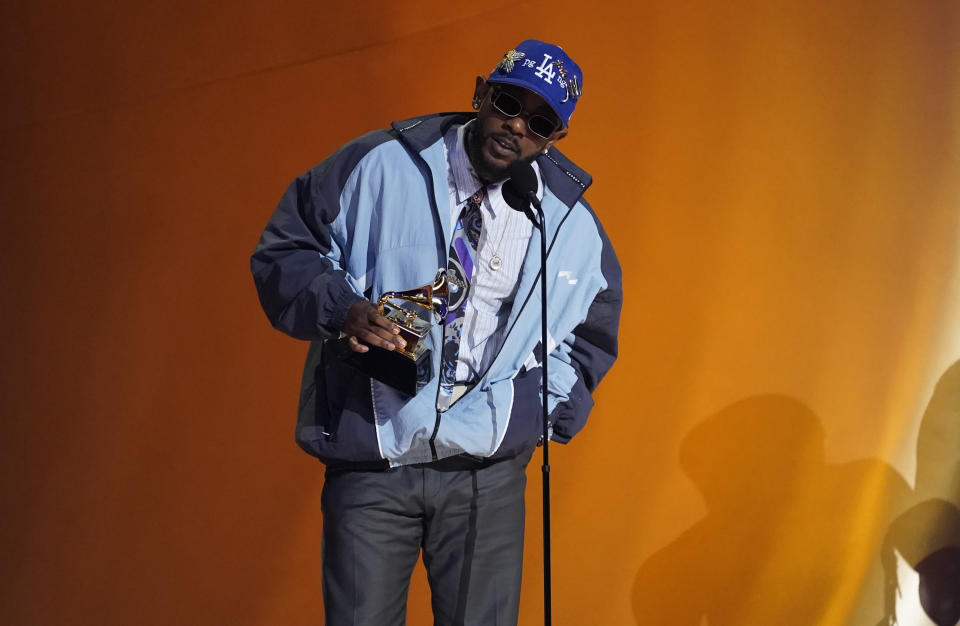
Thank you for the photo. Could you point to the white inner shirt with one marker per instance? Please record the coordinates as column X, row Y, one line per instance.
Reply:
column 506, row 234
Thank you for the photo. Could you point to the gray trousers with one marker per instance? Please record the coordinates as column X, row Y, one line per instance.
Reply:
column 467, row 517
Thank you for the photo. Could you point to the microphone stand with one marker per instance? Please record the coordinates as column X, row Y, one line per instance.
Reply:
column 540, row 223
column 520, row 192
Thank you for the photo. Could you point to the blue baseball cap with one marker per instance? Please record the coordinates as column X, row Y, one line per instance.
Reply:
column 544, row 69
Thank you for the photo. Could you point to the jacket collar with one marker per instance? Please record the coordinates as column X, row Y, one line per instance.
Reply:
column 560, row 175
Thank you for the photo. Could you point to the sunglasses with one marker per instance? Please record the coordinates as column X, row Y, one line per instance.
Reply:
column 540, row 125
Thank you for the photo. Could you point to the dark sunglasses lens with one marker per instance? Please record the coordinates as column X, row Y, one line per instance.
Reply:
column 507, row 104
column 541, row 125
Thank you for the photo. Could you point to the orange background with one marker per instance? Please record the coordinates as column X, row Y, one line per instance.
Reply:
column 779, row 180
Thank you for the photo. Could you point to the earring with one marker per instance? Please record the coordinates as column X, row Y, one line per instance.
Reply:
column 476, row 105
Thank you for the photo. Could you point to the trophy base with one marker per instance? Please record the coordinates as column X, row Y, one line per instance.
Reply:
column 404, row 372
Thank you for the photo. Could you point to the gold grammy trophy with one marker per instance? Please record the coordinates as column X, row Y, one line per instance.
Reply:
column 413, row 312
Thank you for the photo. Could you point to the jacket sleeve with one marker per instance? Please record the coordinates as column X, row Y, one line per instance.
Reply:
column 582, row 359
column 298, row 263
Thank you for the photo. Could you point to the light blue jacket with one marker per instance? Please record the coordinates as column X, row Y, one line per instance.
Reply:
column 374, row 217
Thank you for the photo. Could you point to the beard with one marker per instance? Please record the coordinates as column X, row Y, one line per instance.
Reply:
column 486, row 171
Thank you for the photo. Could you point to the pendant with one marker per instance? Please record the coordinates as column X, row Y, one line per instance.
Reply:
column 495, row 263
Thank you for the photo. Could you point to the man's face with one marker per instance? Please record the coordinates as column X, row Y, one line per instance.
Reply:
column 497, row 140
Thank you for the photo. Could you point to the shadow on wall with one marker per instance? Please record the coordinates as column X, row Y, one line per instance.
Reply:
column 781, row 525
column 921, row 552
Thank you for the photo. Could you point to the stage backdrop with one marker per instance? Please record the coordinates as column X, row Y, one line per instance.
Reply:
column 780, row 181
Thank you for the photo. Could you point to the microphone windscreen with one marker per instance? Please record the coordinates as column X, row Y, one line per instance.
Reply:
column 513, row 197
column 523, row 177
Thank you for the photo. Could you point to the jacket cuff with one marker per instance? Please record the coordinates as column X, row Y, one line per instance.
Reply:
column 339, row 306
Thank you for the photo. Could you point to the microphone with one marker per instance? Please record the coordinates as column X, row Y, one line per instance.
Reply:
column 521, row 189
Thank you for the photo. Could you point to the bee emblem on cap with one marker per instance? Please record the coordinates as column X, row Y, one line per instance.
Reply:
column 511, row 57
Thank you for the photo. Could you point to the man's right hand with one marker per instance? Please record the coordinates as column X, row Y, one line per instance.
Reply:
column 366, row 327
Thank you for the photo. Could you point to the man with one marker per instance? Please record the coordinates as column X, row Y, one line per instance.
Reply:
column 441, row 471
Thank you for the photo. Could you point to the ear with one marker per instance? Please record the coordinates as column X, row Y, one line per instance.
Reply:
column 480, row 89
column 554, row 138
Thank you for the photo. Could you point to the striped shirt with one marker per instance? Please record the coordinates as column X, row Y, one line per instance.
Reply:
column 506, row 234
